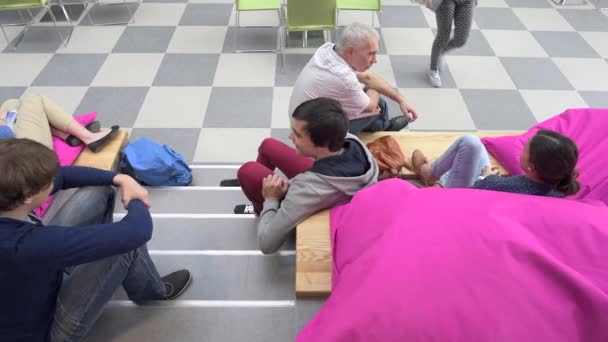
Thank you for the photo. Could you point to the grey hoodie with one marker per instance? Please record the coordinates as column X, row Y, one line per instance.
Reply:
column 308, row 193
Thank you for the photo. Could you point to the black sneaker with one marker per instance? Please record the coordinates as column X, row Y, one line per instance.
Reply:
column 230, row 182
column 397, row 123
column 176, row 283
column 244, row 209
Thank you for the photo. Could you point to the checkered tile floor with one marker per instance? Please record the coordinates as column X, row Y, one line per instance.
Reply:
column 172, row 74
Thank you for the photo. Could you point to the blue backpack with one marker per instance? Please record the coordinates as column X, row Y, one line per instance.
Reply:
column 154, row 164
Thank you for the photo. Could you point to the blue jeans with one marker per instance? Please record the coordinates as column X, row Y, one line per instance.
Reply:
column 88, row 287
column 462, row 163
column 373, row 123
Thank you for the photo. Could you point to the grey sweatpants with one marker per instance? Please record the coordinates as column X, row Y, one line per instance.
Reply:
column 459, row 12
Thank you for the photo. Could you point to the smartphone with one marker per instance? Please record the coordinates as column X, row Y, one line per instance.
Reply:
column 11, row 118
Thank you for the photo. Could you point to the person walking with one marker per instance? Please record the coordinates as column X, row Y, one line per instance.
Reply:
column 458, row 12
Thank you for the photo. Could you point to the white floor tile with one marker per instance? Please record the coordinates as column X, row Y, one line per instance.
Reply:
column 158, row 14
column 479, row 73
column 21, row 69
column 245, row 70
column 104, row 38
column 128, row 69
column 384, row 69
column 408, row 41
column 584, row 73
column 175, row 107
column 545, row 104
column 439, row 109
column 597, row 40
column 493, row 3
column 198, row 39
column 542, row 19
column 255, row 18
column 67, row 97
column 507, row 43
column 280, row 107
column 243, row 142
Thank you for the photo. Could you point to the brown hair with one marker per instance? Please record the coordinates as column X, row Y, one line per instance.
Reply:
column 26, row 168
column 554, row 157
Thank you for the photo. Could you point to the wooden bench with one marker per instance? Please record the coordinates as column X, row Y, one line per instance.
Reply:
column 108, row 157
column 313, row 246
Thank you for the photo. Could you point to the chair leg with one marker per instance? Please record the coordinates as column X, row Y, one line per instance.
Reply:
column 279, row 32
column 380, row 28
column 5, row 35
column 284, row 47
column 131, row 14
column 65, row 43
column 236, row 31
column 305, row 40
column 65, row 12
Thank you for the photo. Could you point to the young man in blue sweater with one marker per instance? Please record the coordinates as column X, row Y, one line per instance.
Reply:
column 56, row 278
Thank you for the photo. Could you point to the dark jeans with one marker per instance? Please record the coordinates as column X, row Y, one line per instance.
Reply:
column 88, row 287
column 374, row 123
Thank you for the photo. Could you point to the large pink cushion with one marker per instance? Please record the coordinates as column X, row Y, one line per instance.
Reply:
column 587, row 127
column 465, row 265
column 66, row 155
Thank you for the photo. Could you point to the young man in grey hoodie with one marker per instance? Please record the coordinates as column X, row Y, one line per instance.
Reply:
column 327, row 168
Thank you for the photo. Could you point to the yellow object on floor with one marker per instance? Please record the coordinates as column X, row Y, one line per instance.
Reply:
column 107, row 158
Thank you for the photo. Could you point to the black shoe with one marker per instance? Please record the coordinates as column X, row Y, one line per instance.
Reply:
column 244, row 209
column 176, row 283
column 230, row 182
column 397, row 123
column 94, row 127
column 98, row 144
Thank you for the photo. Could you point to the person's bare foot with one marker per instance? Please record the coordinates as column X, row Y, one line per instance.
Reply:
column 422, row 168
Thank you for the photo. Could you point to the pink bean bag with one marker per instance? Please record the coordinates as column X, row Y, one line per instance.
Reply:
column 587, row 127
column 66, row 155
column 465, row 265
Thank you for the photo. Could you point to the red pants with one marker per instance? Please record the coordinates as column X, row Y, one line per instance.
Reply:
column 271, row 154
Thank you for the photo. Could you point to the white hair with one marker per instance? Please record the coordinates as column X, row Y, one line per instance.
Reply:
column 354, row 35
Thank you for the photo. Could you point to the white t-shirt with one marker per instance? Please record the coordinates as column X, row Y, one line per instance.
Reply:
column 328, row 75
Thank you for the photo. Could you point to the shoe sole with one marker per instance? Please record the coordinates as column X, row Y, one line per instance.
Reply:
column 183, row 288
column 226, row 183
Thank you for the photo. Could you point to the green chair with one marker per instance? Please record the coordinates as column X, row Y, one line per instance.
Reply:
column 361, row 5
column 256, row 5
column 309, row 15
column 28, row 5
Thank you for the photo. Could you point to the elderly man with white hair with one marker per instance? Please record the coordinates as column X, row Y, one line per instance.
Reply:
column 341, row 72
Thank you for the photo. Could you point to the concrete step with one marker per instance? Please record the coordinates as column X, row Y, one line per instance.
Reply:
column 247, row 275
column 192, row 200
column 197, row 322
column 202, row 232
column 237, row 294
column 212, row 175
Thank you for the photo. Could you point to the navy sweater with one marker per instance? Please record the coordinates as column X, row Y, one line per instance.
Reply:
column 352, row 162
column 516, row 184
column 33, row 257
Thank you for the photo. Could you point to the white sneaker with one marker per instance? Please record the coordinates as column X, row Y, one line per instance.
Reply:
column 434, row 78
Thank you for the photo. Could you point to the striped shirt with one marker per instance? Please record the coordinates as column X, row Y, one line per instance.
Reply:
column 328, row 75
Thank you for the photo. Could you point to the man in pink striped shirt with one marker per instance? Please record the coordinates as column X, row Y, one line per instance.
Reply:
column 341, row 72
